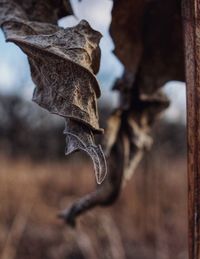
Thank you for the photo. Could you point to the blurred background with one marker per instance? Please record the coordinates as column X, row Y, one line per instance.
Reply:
column 149, row 221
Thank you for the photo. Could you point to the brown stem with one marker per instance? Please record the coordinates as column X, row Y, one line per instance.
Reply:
column 106, row 193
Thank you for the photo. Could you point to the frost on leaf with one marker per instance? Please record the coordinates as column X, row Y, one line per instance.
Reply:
column 63, row 65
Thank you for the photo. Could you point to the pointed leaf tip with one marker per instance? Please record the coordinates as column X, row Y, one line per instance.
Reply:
column 80, row 137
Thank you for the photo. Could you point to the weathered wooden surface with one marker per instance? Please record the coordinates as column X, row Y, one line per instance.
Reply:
column 191, row 21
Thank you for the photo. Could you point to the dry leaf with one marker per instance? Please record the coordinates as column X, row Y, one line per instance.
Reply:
column 63, row 66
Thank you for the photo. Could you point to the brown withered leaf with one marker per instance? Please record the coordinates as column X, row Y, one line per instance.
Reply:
column 148, row 41
column 48, row 11
column 63, row 65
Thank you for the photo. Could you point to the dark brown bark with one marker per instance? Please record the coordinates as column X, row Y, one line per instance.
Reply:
column 191, row 22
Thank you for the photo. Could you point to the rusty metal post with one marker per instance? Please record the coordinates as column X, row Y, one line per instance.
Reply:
column 191, row 25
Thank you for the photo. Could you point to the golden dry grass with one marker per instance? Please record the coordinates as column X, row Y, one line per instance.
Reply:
column 149, row 221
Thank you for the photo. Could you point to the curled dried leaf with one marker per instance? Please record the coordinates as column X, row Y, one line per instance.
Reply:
column 63, row 66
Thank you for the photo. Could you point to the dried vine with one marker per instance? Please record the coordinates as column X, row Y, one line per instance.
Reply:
column 64, row 62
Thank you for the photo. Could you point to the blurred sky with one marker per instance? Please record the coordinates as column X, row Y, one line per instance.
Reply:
column 14, row 69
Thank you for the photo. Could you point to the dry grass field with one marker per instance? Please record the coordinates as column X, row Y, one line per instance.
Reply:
column 149, row 221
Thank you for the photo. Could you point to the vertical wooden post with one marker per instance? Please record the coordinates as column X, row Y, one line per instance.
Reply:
column 191, row 25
